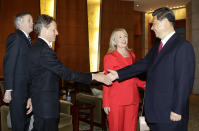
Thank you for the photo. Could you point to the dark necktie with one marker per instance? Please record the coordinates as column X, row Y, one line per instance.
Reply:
column 30, row 41
column 160, row 47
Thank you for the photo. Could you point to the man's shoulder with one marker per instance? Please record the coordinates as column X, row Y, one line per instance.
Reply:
column 15, row 36
column 182, row 41
column 13, row 39
column 12, row 36
column 182, row 44
column 39, row 43
column 39, row 46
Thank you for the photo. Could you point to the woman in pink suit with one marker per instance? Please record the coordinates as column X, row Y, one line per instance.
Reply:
column 121, row 100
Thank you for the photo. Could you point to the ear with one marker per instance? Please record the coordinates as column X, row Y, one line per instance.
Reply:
column 165, row 21
column 19, row 24
column 43, row 31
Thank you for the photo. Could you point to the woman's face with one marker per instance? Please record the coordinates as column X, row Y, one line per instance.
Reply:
column 121, row 40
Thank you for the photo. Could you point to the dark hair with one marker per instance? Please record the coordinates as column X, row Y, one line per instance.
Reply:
column 165, row 12
column 42, row 21
column 19, row 17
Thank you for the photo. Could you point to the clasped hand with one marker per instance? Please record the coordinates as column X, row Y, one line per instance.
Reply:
column 106, row 79
column 112, row 75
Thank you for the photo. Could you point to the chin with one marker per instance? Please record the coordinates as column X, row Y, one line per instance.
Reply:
column 156, row 36
column 125, row 45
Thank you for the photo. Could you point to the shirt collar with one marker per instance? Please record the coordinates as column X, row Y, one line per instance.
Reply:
column 164, row 41
column 48, row 43
column 24, row 33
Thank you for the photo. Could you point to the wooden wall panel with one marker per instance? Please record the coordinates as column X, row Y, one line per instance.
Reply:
column 72, row 45
column 138, row 35
column 116, row 14
column 8, row 10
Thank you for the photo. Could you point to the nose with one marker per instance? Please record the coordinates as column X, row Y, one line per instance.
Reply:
column 56, row 32
column 32, row 21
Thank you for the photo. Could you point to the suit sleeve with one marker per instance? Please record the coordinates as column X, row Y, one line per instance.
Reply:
column 10, row 60
column 136, row 68
column 108, row 64
column 50, row 61
column 184, row 77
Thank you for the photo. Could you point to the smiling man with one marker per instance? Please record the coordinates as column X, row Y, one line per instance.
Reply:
column 45, row 71
column 170, row 67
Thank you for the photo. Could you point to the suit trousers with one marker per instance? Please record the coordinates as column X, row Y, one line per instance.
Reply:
column 123, row 118
column 173, row 126
column 45, row 124
column 19, row 120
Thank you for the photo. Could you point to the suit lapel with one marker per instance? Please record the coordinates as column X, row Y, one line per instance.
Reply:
column 43, row 43
column 167, row 47
column 24, row 37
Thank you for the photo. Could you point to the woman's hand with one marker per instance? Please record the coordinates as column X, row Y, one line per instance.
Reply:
column 106, row 110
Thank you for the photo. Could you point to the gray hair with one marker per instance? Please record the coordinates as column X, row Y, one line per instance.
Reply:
column 112, row 44
column 42, row 21
column 19, row 18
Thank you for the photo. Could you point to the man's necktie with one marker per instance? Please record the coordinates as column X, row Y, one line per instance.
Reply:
column 29, row 39
column 160, row 47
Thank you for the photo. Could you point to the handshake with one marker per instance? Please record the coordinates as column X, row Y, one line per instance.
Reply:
column 106, row 79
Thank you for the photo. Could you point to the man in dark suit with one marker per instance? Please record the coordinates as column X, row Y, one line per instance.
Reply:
column 45, row 71
column 16, row 72
column 170, row 67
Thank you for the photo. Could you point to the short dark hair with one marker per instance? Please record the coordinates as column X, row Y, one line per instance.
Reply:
column 165, row 12
column 19, row 17
column 42, row 21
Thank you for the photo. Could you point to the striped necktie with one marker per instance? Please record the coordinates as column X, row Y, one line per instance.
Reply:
column 160, row 47
column 29, row 39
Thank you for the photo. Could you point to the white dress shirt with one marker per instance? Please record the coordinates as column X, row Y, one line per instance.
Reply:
column 164, row 41
column 25, row 33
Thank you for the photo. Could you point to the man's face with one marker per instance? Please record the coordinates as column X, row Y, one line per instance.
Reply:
column 51, row 32
column 158, row 27
column 26, row 24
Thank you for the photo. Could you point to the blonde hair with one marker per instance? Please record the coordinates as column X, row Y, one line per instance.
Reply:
column 112, row 44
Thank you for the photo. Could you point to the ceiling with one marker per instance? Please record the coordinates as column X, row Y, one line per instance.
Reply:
column 150, row 5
